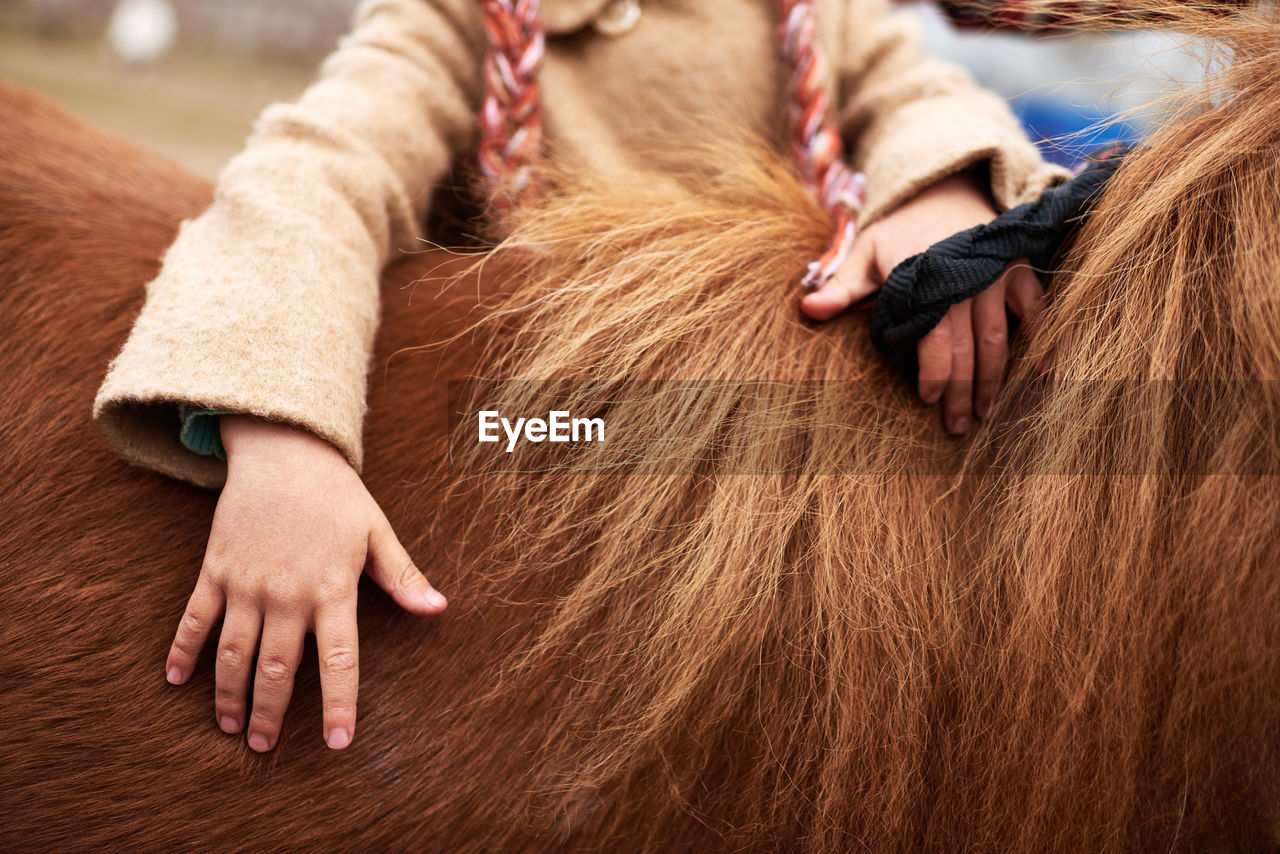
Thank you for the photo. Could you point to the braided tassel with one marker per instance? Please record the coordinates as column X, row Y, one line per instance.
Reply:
column 511, row 119
column 815, row 143
column 511, row 114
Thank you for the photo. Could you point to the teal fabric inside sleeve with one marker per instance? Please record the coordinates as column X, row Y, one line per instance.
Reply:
column 200, row 430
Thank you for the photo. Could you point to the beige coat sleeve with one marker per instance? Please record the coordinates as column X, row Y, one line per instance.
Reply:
column 268, row 302
column 911, row 119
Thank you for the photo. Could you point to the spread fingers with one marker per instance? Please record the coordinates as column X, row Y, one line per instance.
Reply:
column 278, row 657
column 337, row 645
column 203, row 610
column 991, row 338
column 236, row 645
column 957, row 400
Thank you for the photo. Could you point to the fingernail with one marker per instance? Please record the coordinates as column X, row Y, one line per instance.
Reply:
column 983, row 409
column 229, row 724
column 932, row 397
column 339, row 738
column 174, row 676
column 259, row 742
column 434, row 598
column 961, row 424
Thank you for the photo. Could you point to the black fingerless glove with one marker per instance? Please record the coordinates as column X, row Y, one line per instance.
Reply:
column 921, row 289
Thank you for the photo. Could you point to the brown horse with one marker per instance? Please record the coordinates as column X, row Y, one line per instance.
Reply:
column 1003, row 646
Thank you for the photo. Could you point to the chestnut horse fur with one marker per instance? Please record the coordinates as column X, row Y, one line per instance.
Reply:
column 1044, row 655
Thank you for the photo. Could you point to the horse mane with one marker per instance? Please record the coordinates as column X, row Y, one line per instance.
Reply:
column 873, row 634
column 777, row 609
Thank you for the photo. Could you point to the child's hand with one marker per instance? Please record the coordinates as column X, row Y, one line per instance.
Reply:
column 291, row 534
column 962, row 359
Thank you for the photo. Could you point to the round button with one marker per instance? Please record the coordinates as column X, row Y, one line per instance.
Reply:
column 619, row 17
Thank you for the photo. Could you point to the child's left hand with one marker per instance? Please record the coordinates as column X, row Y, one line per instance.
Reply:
column 962, row 359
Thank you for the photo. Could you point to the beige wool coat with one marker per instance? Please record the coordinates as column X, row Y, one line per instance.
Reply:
column 268, row 302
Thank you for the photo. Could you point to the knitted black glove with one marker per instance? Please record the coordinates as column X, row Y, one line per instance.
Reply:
column 921, row 289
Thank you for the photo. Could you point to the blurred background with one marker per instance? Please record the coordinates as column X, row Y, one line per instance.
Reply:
column 187, row 77
column 184, row 77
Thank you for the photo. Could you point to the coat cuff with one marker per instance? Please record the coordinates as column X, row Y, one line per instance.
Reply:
column 933, row 138
column 169, row 420
column 282, row 335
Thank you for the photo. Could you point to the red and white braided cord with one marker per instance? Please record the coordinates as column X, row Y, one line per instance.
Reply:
column 815, row 143
column 511, row 118
column 511, row 113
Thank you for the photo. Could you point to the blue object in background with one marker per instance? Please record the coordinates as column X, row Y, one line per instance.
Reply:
column 1067, row 132
column 1069, row 90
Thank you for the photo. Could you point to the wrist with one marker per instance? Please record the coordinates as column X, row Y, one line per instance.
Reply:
column 247, row 435
column 959, row 185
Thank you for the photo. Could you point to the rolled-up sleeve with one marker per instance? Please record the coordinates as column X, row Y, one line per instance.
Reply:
column 910, row 120
column 267, row 303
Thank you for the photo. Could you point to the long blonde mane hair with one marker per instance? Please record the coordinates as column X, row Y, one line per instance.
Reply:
column 875, row 636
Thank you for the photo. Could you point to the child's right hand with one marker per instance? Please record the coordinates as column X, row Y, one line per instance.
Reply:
column 962, row 360
column 291, row 534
